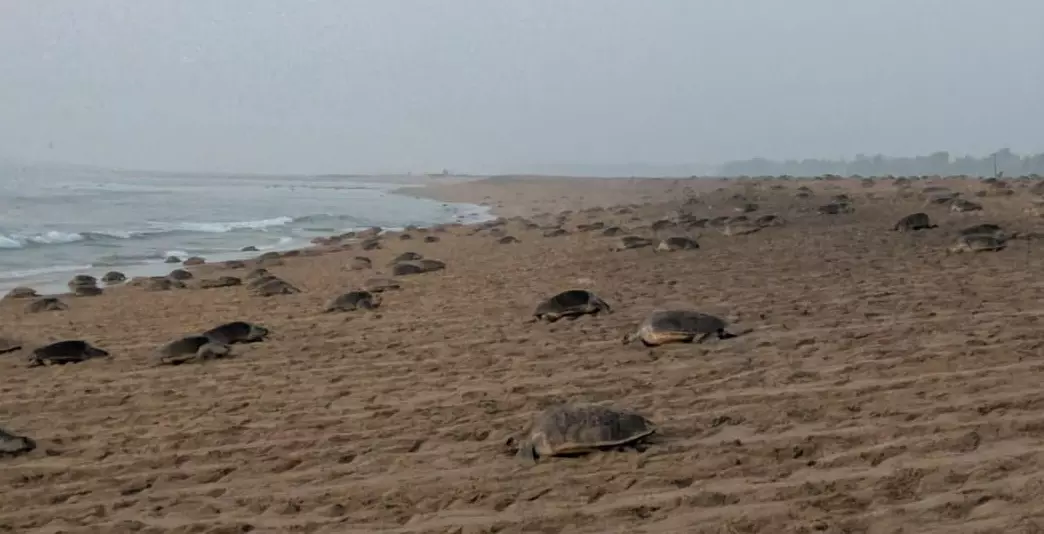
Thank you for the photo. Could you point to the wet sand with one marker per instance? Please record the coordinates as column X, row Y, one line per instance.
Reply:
column 885, row 386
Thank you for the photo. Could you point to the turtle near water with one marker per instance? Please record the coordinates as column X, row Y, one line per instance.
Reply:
column 678, row 326
column 63, row 352
column 672, row 244
column 46, row 304
column 572, row 304
column 190, row 348
column 353, row 300
column 571, row 429
column 237, row 332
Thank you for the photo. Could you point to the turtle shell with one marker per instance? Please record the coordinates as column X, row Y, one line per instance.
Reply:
column 575, row 428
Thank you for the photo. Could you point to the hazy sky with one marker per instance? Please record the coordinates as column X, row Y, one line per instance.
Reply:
column 475, row 85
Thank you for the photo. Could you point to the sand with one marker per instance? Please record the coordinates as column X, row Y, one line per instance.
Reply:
column 884, row 385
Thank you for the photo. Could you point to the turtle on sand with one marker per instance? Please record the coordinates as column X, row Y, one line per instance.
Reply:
column 983, row 229
column 354, row 300
column 268, row 287
column 114, row 277
column 740, row 228
column 962, row 206
column 21, row 292
column 190, row 348
column 260, row 272
column 359, row 263
column 612, row 231
column 431, row 239
column 15, row 445
column 631, row 241
column 237, row 332
column 403, row 268
column 45, row 304
column 179, row 274
column 62, row 352
column 914, row 222
column 508, row 240
column 677, row 243
column 221, row 281
column 977, row 243
column 406, row 256
column 571, row 303
column 162, row 283
column 571, row 429
column 9, row 345
column 678, row 326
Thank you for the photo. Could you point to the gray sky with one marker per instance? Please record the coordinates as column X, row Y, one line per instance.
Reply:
column 485, row 85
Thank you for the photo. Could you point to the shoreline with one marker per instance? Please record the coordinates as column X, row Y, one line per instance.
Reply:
column 865, row 359
column 51, row 282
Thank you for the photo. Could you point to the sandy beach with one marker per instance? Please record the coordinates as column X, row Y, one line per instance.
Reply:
column 881, row 385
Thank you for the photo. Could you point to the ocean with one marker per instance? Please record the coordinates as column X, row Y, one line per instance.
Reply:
column 56, row 222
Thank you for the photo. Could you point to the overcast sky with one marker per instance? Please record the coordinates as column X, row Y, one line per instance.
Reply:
column 484, row 85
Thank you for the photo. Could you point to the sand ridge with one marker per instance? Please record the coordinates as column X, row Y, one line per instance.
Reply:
column 885, row 386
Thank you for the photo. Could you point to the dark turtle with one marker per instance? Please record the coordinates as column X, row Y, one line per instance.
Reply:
column 237, row 332
column 612, row 231
column 248, row 248
column 570, row 429
column 913, row 222
column 45, row 304
column 431, row 239
column 62, row 352
column 161, row 283
column 983, row 229
column 373, row 243
column 172, row 259
column 508, row 240
column 82, row 280
column 234, row 264
column 194, row 260
column 113, row 277
column 15, row 445
column 354, row 300
column 572, row 303
column 179, row 274
column 417, row 267
column 834, row 208
column 678, row 326
column 674, row 243
column 188, row 349
column 555, row 232
column 769, row 220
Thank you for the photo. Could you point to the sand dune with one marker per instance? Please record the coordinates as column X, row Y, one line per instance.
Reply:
column 885, row 386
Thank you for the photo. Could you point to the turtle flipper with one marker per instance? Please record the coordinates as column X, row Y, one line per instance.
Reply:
column 526, row 453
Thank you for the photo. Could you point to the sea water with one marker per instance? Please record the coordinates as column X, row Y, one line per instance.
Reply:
column 56, row 222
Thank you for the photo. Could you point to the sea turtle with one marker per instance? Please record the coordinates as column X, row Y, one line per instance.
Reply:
column 571, row 303
column 977, row 243
column 172, row 259
column 769, row 220
column 359, row 263
column 268, row 287
column 677, row 243
column 983, row 229
column 21, row 292
column 403, row 268
column 86, row 291
column 406, row 256
column 113, row 277
column 962, row 206
column 431, row 239
column 834, row 208
column 162, row 283
column 237, row 332
column 678, row 326
column 556, row 232
column 631, row 241
column 15, row 445
column 570, row 429
column 190, row 348
column 45, row 304
column 612, row 231
column 179, row 274
column 82, row 280
column 194, row 260
column 8, row 344
column 373, row 243
column 914, row 222
column 234, row 264
column 354, row 300
column 62, row 352
column 259, row 272
column 221, row 281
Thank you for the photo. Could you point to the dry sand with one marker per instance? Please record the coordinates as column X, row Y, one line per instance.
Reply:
column 886, row 386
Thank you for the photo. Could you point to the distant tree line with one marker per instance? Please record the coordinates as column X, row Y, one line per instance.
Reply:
column 1003, row 161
